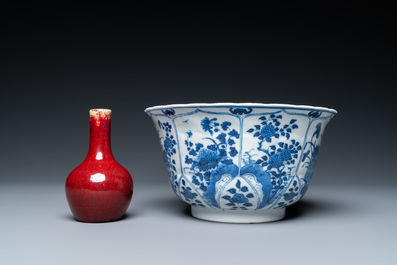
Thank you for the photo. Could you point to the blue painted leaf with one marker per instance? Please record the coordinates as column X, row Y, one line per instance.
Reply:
column 247, row 204
column 250, row 195
column 199, row 146
column 238, row 184
column 226, row 197
column 230, row 204
column 233, row 152
column 231, row 142
column 222, row 138
column 250, row 130
column 292, row 121
column 195, row 181
column 203, row 187
column 225, row 125
column 244, row 189
column 232, row 190
column 212, row 147
column 234, row 133
column 183, row 182
column 294, row 126
column 257, row 127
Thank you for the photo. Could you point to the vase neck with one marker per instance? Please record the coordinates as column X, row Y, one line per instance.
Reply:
column 100, row 148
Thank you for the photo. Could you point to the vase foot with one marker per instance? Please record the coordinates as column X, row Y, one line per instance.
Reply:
column 238, row 216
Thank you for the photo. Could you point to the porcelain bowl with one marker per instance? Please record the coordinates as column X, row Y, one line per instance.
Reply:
column 240, row 162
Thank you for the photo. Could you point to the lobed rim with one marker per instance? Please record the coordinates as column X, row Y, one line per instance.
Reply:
column 225, row 104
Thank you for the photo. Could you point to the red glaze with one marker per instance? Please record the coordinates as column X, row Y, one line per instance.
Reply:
column 99, row 189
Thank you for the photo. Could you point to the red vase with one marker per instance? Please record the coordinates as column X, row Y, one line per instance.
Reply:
column 99, row 189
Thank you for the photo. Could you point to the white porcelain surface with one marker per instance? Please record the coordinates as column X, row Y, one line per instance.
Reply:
column 248, row 159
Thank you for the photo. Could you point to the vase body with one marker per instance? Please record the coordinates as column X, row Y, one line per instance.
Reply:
column 99, row 189
column 240, row 163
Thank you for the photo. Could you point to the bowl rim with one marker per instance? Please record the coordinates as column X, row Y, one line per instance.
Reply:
column 229, row 104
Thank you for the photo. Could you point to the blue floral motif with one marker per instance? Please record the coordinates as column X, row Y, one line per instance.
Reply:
column 239, row 197
column 187, row 192
column 240, row 111
column 169, row 112
column 210, row 162
column 190, row 196
column 214, row 172
column 168, row 144
column 209, row 124
column 277, row 159
column 206, row 159
column 310, row 157
column 315, row 114
column 263, row 177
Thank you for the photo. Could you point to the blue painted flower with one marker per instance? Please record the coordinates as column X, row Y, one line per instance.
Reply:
column 276, row 161
column 289, row 196
column 285, row 154
column 206, row 159
column 268, row 131
column 208, row 124
column 168, row 144
column 188, row 194
column 233, row 152
column 239, row 198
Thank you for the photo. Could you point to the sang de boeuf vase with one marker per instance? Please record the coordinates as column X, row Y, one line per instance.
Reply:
column 240, row 163
column 99, row 189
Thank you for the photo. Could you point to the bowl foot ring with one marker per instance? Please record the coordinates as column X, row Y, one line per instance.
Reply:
column 238, row 216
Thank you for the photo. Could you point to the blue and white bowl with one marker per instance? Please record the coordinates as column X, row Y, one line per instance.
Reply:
column 240, row 163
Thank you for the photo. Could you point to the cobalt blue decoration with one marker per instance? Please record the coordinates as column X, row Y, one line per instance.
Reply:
column 240, row 162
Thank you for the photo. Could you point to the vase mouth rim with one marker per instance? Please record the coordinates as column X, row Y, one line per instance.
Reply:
column 100, row 113
column 229, row 104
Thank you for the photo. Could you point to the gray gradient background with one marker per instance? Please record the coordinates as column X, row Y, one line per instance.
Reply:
column 58, row 62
